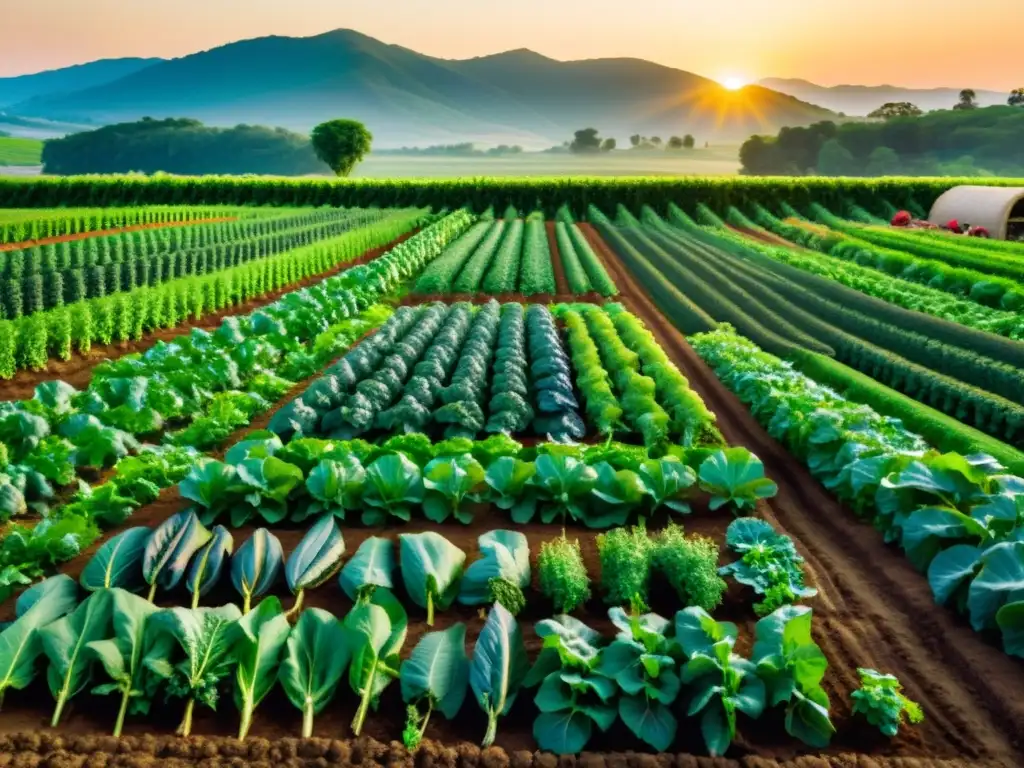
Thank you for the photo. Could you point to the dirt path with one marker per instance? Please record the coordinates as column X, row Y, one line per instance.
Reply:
column 105, row 232
column 874, row 609
column 764, row 236
column 78, row 370
column 561, row 284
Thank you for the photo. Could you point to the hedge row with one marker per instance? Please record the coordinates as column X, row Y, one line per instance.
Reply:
column 547, row 194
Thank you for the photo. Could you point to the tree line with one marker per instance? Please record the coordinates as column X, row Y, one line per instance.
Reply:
column 588, row 140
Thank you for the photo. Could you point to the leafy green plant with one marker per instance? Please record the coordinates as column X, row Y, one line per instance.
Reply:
column 667, row 482
column 118, row 563
column 256, row 565
column 209, row 563
column 562, row 574
column 315, row 560
column 372, row 566
column 394, row 485
column 130, row 656
column 498, row 668
column 501, row 574
column 449, row 482
column 562, row 486
column 316, row 655
column 169, row 549
column 735, row 476
column 625, row 564
column 431, row 570
column 435, row 676
column 375, row 630
column 641, row 663
column 65, row 641
column 769, row 564
column 259, row 641
column 205, row 636
column 880, row 701
column 21, row 643
column 792, row 667
column 721, row 683
column 690, row 565
column 336, row 487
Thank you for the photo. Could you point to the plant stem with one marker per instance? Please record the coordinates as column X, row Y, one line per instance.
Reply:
column 430, row 608
column 364, row 705
column 59, row 708
column 426, row 717
column 297, row 608
column 492, row 729
column 195, row 599
column 246, row 603
column 152, row 592
column 307, row 719
column 121, row 713
column 185, row 729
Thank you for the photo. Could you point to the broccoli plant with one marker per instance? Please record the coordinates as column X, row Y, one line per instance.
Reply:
column 625, row 564
column 880, row 701
column 563, row 576
column 690, row 565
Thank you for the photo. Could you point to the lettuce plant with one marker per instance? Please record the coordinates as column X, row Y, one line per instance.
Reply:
column 431, row 570
column 498, row 668
column 260, row 638
column 735, row 476
column 316, row 655
column 501, row 574
column 375, row 629
column 450, row 482
column 434, row 677
column 315, row 560
column 769, row 564
column 880, row 701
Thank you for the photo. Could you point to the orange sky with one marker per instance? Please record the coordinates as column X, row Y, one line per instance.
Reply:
column 920, row 43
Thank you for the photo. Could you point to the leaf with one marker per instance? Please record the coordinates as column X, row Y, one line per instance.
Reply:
column 169, row 549
column 1010, row 620
column 438, row 668
column 745, row 533
column 372, row 566
column 375, row 642
column 499, row 667
column 431, row 568
column 1000, row 581
column 256, row 565
column 562, row 733
column 667, row 483
column 260, row 639
column 337, row 483
column 317, row 557
column 649, row 720
column 394, row 483
column 735, row 475
column 21, row 643
column 508, row 478
column 316, row 656
column 951, row 569
column 697, row 632
column 64, row 642
column 118, row 563
column 506, row 555
column 209, row 563
column 448, row 482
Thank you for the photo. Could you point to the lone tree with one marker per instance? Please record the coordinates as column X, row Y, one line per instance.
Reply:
column 675, row 143
column 635, row 139
column 689, row 142
column 608, row 145
column 968, row 99
column 1016, row 98
column 341, row 144
column 896, row 109
column 586, row 140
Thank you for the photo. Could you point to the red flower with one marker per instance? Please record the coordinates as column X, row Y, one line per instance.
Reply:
column 953, row 225
column 901, row 219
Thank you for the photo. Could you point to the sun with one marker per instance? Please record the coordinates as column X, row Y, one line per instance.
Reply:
column 733, row 83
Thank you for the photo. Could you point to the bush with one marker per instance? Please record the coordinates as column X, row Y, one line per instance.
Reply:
column 562, row 574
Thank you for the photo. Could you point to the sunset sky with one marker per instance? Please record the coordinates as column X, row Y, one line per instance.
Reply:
column 901, row 42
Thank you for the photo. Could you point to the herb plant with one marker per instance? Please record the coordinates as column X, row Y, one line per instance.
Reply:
column 562, row 575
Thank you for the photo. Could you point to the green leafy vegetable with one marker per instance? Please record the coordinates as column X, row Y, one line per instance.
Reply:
column 501, row 574
column 260, row 638
column 562, row 574
column 449, row 482
column 316, row 559
column 625, row 564
column 316, row 655
column 336, row 486
column 256, row 566
column 170, row 548
column 209, row 563
column 735, row 476
column 431, row 569
column 376, row 631
column 435, row 676
column 690, row 565
column 394, row 485
column 371, row 566
column 118, row 563
column 499, row 667
column 880, row 701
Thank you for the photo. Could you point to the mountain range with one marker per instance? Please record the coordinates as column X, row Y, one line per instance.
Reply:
column 861, row 100
column 406, row 97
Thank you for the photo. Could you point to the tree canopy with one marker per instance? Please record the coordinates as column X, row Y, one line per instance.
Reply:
column 184, row 147
column 587, row 140
column 1016, row 98
column 968, row 99
column 896, row 109
column 341, row 144
column 970, row 142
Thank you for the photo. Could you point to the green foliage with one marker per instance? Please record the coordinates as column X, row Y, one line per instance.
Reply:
column 316, row 655
column 341, row 144
column 435, row 676
column 625, row 564
column 562, row 574
column 431, row 568
column 880, row 701
column 690, row 565
column 498, row 668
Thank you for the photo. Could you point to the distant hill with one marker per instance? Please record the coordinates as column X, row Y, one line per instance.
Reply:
column 67, row 80
column 518, row 97
column 859, row 100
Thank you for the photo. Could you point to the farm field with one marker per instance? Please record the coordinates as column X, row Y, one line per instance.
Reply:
column 744, row 462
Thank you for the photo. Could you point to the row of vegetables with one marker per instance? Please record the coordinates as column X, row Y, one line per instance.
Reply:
column 217, row 381
column 584, row 682
column 958, row 518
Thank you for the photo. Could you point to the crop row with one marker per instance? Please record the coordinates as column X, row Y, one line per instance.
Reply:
column 583, row 269
column 956, row 517
column 30, row 342
column 215, row 381
column 41, row 224
column 865, row 280
column 936, row 372
column 36, row 281
column 987, row 290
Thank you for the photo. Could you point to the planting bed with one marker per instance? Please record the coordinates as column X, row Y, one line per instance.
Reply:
column 872, row 608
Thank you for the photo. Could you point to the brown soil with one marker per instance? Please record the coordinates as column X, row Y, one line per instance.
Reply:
column 872, row 610
column 561, row 284
column 764, row 236
column 105, row 232
column 78, row 370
